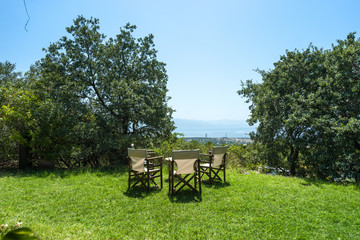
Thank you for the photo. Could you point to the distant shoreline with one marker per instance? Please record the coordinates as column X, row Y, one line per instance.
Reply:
column 219, row 140
column 238, row 129
column 218, row 137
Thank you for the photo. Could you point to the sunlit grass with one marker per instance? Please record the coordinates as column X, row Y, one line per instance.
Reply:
column 95, row 204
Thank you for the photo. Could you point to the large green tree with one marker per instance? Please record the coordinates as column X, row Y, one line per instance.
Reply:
column 336, row 148
column 112, row 92
column 281, row 105
column 308, row 110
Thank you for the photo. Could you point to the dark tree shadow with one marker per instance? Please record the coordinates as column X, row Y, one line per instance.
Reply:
column 185, row 196
column 314, row 182
column 64, row 173
column 215, row 184
column 140, row 192
column 321, row 183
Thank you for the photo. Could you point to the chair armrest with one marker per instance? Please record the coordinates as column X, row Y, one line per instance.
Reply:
column 154, row 158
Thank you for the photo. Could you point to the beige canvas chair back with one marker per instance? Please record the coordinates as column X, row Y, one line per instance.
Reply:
column 185, row 160
column 137, row 157
column 218, row 153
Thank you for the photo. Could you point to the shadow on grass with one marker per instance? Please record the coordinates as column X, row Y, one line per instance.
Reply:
column 313, row 182
column 321, row 183
column 186, row 196
column 140, row 192
column 64, row 173
column 215, row 184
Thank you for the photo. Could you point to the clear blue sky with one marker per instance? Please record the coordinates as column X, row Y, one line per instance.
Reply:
column 209, row 46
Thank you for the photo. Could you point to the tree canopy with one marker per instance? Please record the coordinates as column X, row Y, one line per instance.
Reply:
column 308, row 110
column 94, row 96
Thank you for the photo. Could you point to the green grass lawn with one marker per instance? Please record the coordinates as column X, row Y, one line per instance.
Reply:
column 94, row 204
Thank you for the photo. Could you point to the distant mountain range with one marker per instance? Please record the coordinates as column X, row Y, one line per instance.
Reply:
column 217, row 128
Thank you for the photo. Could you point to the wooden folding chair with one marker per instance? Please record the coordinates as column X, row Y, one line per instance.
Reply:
column 214, row 163
column 144, row 169
column 184, row 167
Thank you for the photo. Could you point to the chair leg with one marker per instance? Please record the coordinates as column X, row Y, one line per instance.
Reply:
column 161, row 177
column 200, row 185
column 173, row 189
column 199, row 179
column 172, row 178
column 195, row 180
column 129, row 178
column 148, row 181
column 183, row 181
column 213, row 173
column 216, row 173
column 169, row 181
column 210, row 170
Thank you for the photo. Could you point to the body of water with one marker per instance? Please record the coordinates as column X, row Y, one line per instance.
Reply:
column 214, row 129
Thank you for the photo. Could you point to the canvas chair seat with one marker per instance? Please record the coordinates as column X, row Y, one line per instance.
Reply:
column 144, row 169
column 184, row 168
column 213, row 164
column 208, row 165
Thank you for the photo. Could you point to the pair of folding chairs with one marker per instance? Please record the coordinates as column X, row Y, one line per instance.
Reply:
column 185, row 166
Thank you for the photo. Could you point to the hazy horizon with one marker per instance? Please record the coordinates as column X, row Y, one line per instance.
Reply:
column 213, row 128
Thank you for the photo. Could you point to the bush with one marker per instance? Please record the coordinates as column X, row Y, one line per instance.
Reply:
column 16, row 232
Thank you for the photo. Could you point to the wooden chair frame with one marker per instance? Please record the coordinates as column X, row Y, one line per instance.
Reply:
column 184, row 178
column 212, row 170
column 150, row 169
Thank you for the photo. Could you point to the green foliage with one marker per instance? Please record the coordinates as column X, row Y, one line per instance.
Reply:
column 17, row 124
column 176, row 142
column 88, row 99
column 167, row 146
column 20, row 234
column 308, row 110
column 16, row 232
column 239, row 156
column 244, row 157
column 236, row 156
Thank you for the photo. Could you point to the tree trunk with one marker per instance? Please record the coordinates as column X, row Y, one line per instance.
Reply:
column 357, row 144
column 25, row 156
column 125, row 127
column 293, row 159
